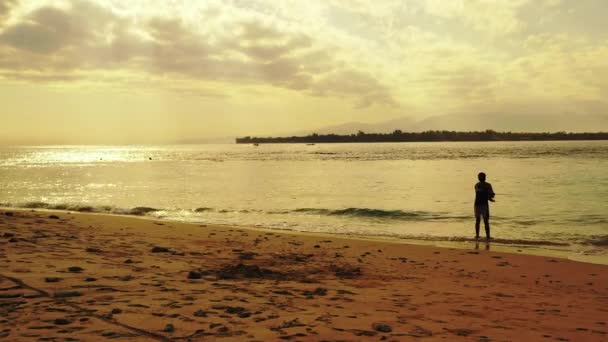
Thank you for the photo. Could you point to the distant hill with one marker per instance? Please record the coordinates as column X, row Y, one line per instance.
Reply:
column 354, row 127
column 479, row 122
column 516, row 122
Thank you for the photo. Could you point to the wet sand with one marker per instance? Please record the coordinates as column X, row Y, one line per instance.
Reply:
column 88, row 277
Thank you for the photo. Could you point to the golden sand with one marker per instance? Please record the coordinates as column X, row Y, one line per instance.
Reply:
column 88, row 277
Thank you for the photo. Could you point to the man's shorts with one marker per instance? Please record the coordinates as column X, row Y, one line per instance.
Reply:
column 482, row 210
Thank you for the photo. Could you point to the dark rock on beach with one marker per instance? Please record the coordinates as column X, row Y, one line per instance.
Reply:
column 200, row 313
column 346, row 271
column 319, row 291
column 247, row 255
column 381, row 327
column 289, row 324
column 52, row 279
column 246, row 271
column 75, row 269
column 194, row 275
column 67, row 294
column 62, row 321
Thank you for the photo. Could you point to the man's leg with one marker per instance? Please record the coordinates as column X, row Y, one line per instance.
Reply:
column 477, row 219
column 486, row 222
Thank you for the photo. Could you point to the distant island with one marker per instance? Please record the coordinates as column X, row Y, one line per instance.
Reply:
column 399, row 136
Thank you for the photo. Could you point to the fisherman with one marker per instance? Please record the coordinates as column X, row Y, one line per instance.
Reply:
column 483, row 194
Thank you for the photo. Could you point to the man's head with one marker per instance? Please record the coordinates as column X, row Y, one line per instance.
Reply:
column 481, row 176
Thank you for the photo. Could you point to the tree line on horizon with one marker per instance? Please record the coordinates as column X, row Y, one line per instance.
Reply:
column 400, row 136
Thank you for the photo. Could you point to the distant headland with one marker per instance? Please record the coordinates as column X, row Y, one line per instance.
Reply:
column 399, row 136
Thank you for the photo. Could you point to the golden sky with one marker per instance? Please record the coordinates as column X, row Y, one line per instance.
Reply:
column 116, row 71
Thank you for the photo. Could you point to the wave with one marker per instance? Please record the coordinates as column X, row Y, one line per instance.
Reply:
column 380, row 213
column 372, row 215
column 598, row 240
column 61, row 206
column 361, row 213
column 83, row 208
column 355, row 213
column 347, row 212
column 142, row 210
column 590, row 219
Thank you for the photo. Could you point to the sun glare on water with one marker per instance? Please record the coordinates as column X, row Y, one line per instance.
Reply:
column 84, row 155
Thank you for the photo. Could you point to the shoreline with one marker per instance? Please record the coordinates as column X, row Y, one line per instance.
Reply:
column 525, row 247
column 105, row 276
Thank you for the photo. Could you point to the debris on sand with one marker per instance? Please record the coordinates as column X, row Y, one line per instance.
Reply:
column 62, row 321
column 195, row 275
column 319, row 291
column 346, row 271
column 233, row 310
column 283, row 292
column 289, row 324
column 381, row 327
column 52, row 279
column 247, row 255
column 200, row 313
column 297, row 257
column 67, row 294
column 246, row 271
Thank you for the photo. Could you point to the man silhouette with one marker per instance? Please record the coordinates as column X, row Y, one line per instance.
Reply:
column 483, row 194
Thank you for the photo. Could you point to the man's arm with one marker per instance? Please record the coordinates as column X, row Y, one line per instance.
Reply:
column 491, row 193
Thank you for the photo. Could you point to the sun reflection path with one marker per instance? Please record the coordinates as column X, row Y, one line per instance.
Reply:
column 87, row 155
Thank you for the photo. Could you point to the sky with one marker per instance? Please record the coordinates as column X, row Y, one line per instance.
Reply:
column 151, row 71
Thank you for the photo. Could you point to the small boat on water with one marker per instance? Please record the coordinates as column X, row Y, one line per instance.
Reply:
column 256, row 144
column 310, row 144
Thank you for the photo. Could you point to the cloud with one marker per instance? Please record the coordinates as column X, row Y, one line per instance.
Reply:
column 494, row 17
column 243, row 51
column 345, row 82
column 6, row 7
column 46, row 31
column 38, row 77
column 431, row 54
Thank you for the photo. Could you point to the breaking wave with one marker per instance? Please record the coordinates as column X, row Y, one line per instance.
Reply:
column 599, row 241
column 348, row 212
column 83, row 208
column 365, row 215
column 373, row 215
column 380, row 213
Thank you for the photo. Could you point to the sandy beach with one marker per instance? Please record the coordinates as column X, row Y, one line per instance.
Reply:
column 88, row 277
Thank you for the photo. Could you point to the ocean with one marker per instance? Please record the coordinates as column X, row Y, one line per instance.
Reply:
column 552, row 197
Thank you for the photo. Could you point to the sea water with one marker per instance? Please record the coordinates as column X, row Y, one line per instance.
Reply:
column 552, row 197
